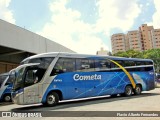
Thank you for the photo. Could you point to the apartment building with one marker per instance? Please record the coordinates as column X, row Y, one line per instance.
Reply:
column 134, row 40
column 146, row 39
column 118, row 42
column 156, row 38
column 143, row 39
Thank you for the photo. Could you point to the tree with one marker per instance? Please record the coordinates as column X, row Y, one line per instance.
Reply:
column 153, row 54
column 129, row 54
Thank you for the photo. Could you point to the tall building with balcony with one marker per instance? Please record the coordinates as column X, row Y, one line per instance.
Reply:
column 146, row 36
column 143, row 39
column 118, row 42
column 134, row 40
column 156, row 38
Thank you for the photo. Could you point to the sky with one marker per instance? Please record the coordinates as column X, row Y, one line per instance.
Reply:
column 81, row 25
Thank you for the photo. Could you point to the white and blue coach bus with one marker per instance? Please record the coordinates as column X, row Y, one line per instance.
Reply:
column 6, row 84
column 52, row 77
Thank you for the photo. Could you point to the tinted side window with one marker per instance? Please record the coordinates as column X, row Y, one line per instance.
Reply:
column 148, row 63
column 139, row 63
column 33, row 75
column 30, row 78
column 10, row 79
column 116, row 66
column 102, row 64
column 2, row 79
column 129, row 63
column 63, row 65
column 84, row 64
column 44, row 62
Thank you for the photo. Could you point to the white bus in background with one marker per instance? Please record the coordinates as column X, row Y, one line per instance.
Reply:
column 6, row 84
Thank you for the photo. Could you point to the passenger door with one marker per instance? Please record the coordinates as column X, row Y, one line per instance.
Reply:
column 31, row 87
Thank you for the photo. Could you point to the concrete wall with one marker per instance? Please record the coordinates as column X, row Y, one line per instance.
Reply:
column 17, row 43
column 18, row 38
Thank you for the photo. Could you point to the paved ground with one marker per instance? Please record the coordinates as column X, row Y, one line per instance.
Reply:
column 147, row 101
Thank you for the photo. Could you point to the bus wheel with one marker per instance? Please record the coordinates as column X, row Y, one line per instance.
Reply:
column 52, row 99
column 7, row 98
column 128, row 90
column 138, row 90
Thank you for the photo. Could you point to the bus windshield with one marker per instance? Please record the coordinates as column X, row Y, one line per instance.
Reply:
column 2, row 79
column 31, row 71
column 18, row 83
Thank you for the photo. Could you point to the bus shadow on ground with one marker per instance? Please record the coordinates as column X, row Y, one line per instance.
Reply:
column 78, row 103
column 5, row 103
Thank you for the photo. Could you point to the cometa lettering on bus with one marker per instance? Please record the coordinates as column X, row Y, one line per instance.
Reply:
column 77, row 77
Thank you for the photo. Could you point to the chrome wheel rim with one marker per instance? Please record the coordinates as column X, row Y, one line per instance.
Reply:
column 138, row 90
column 7, row 98
column 51, row 99
column 128, row 91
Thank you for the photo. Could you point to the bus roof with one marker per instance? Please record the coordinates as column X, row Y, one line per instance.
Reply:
column 65, row 54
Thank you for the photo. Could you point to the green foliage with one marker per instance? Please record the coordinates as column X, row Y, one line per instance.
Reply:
column 130, row 53
column 153, row 54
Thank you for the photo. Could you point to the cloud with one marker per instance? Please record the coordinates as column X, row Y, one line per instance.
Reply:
column 117, row 14
column 5, row 13
column 67, row 28
column 156, row 15
column 148, row 4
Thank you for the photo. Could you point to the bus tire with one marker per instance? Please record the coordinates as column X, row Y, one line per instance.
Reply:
column 52, row 99
column 7, row 98
column 138, row 90
column 128, row 91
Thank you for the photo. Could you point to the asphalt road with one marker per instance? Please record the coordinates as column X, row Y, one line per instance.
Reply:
column 147, row 101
